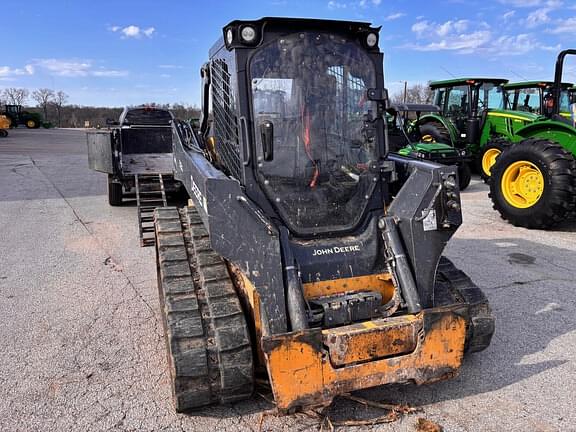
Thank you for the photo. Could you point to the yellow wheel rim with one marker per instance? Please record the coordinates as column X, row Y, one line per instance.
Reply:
column 489, row 159
column 428, row 138
column 522, row 184
column 30, row 123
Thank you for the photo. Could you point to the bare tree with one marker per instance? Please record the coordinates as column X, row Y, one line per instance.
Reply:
column 59, row 100
column 417, row 93
column 43, row 97
column 16, row 96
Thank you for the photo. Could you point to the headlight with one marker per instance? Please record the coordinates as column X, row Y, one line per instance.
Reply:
column 229, row 36
column 371, row 40
column 248, row 34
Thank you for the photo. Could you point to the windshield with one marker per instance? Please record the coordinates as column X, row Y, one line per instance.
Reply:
column 527, row 99
column 490, row 97
column 312, row 88
column 565, row 101
column 457, row 101
column 148, row 116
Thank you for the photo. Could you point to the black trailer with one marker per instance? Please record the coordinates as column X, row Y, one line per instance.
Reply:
column 136, row 153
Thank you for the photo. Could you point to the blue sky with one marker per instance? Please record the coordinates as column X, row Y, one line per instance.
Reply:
column 116, row 53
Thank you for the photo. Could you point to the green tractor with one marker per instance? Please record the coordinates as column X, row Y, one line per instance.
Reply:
column 404, row 138
column 18, row 117
column 472, row 117
column 533, row 181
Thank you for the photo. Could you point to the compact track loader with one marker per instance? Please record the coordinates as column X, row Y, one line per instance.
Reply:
column 308, row 252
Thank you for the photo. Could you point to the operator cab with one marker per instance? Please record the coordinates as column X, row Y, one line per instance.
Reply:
column 466, row 100
column 311, row 140
column 530, row 96
column 13, row 109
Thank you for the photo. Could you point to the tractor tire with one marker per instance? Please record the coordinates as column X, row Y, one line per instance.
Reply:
column 464, row 175
column 435, row 132
column 115, row 193
column 533, row 184
column 3, row 133
column 32, row 124
column 488, row 155
column 207, row 339
column 454, row 286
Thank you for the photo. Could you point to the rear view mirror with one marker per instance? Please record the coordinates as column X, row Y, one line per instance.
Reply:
column 267, row 137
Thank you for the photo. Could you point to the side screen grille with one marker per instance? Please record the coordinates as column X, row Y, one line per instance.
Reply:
column 225, row 121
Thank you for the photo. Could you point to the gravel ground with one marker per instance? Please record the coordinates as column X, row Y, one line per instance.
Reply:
column 83, row 348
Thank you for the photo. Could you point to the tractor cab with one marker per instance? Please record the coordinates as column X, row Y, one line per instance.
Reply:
column 530, row 96
column 465, row 102
column 13, row 109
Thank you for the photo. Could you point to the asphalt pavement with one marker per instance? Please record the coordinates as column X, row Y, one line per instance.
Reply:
column 82, row 347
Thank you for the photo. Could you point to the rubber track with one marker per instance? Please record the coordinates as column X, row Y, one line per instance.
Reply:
column 208, row 344
column 454, row 285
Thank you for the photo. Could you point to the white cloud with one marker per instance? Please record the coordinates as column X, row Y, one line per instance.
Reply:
column 465, row 43
column 336, row 5
column 109, row 73
column 522, row 3
column 508, row 15
column 8, row 74
column 133, row 31
column 564, row 26
column 518, row 45
column 395, row 16
column 425, row 28
column 420, row 27
column 366, row 3
column 170, row 66
column 149, row 31
column 67, row 68
column 74, row 68
column 538, row 17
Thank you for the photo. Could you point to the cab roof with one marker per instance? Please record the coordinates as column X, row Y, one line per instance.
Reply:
column 465, row 81
column 533, row 84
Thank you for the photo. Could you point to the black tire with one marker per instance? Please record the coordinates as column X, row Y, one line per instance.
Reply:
column 3, row 133
column 436, row 131
column 207, row 339
column 495, row 144
column 557, row 199
column 115, row 193
column 464, row 175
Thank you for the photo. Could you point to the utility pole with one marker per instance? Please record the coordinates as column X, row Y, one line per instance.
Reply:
column 405, row 91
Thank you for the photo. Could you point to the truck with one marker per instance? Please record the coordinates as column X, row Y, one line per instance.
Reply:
column 136, row 154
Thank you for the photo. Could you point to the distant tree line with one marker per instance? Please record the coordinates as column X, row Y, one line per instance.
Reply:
column 54, row 107
column 416, row 93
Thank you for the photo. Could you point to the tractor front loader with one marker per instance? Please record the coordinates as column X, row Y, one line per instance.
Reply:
column 308, row 251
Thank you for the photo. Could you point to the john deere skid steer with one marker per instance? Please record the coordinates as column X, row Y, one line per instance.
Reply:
column 308, row 252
